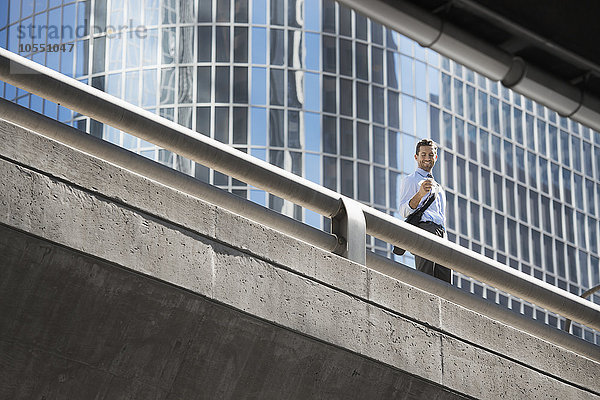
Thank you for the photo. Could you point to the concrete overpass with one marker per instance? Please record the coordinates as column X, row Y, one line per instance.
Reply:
column 113, row 285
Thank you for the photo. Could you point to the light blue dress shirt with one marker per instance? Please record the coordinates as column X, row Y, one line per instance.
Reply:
column 436, row 212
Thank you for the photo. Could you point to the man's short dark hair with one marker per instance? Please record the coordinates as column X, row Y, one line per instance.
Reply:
column 426, row 142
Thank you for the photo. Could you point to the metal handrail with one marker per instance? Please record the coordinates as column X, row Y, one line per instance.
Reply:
column 115, row 112
column 585, row 294
column 65, row 134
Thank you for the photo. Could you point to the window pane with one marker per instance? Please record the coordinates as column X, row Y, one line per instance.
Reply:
column 329, row 54
column 240, row 84
column 240, row 44
column 277, row 87
column 204, row 43
column 222, row 43
column 277, row 43
column 346, row 96
column 346, row 57
column 276, row 128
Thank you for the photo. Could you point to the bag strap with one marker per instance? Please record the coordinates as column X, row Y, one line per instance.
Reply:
column 425, row 205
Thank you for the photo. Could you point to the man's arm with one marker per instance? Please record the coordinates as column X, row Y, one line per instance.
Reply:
column 411, row 194
column 424, row 189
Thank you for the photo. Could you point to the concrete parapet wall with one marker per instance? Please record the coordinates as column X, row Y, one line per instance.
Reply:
column 71, row 199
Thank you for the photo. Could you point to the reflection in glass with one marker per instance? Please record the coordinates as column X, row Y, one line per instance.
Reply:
column 313, row 168
column 329, row 54
column 312, row 41
column 259, row 45
column 113, row 85
column 421, row 123
column 222, row 124
column 204, row 10
column 169, row 12
column 408, row 110
column 295, row 17
column 483, row 108
column 223, row 10
column 447, row 91
column 276, row 87
column 364, row 182
column 258, row 133
column 203, row 120
column 362, row 141
column 186, row 11
column 347, row 178
column 377, row 65
column 277, row 46
column 329, row 16
column 149, row 88
column 132, row 82
column 276, row 128
column 294, row 130
column 329, row 94
column 346, row 97
column 346, row 137
column 222, row 84
column 378, row 145
column 150, row 44
column 295, row 89
column 184, row 116
column 312, row 92
column 393, row 117
column 346, row 58
column 99, row 54
column 240, row 84
column 277, row 8
column 377, row 104
column 203, row 85
column 222, row 43
column 204, row 43
column 241, row 11
column 167, row 86
column 186, row 44
column 329, row 134
column 362, row 96
column 240, row 125
column 312, row 134
column 168, row 45
column 259, row 12
column 312, row 18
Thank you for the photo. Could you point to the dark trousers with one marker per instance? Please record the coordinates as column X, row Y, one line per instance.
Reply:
column 429, row 267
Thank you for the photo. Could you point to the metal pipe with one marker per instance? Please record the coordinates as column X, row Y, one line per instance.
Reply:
column 478, row 304
column 531, row 36
column 169, row 177
column 87, row 100
column 164, row 175
column 586, row 294
column 432, row 31
column 475, row 265
column 119, row 114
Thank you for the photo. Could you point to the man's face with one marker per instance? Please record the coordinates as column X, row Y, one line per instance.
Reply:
column 426, row 158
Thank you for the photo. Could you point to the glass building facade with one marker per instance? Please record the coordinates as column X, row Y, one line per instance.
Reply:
column 324, row 92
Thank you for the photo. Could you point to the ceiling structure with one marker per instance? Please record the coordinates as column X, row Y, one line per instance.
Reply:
column 547, row 50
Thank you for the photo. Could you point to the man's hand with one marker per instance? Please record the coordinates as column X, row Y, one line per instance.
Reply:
column 426, row 187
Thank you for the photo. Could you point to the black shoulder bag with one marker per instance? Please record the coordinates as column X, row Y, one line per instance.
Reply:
column 415, row 218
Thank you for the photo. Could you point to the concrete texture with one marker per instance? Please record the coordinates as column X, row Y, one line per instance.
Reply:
column 75, row 327
column 72, row 200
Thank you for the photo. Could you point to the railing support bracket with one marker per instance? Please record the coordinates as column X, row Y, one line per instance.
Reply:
column 351, row 229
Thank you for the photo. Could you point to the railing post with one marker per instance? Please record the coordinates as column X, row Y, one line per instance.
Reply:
column 351, row 229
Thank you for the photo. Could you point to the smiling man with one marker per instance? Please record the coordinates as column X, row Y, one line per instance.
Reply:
column 416, row 188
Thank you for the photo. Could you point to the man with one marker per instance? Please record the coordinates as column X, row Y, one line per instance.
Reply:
column 414, row 191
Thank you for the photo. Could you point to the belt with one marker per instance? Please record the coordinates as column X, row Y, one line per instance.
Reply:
column 433, row 223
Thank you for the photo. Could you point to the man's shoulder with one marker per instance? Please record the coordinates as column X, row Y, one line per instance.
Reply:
column 412, row 176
